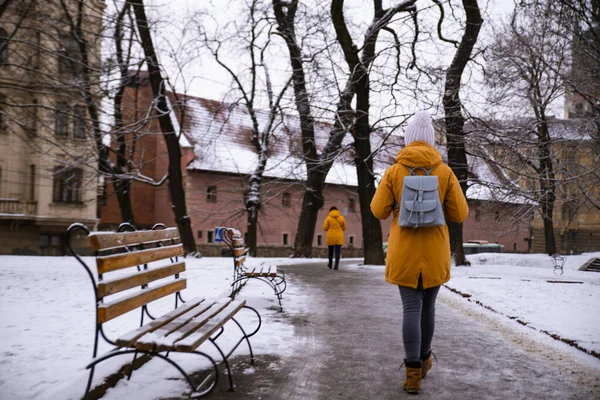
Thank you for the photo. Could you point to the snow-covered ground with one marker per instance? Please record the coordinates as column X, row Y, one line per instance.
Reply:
column 47, row 326
column 525, row 287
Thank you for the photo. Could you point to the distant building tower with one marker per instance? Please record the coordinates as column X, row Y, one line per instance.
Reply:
column 582, row 97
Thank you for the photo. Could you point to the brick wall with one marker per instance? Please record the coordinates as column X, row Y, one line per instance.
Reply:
column 506, row 224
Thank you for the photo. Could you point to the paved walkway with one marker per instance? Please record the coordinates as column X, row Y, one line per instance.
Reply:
column 348, row 346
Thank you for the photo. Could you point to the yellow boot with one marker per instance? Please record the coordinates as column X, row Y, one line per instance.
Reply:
column 412, row 384
column 426, row 364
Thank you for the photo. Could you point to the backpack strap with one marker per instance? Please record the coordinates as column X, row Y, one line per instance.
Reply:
column 411, row 171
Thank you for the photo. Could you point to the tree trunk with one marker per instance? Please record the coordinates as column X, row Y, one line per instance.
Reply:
column 122, row 191
column 371, row 226
column 316, row 167
column 157, row 83
column 547, row 183
column 455, row 136
column 252, row 229
column 312, row 202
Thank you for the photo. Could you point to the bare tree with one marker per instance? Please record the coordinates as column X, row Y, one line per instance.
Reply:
column 345, row 119
column 524, row 65
column 256, row 38
column 454, row 119
column 165, row 115
column 359, row 63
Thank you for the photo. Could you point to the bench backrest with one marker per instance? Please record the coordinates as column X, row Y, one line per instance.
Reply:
column 129, row 254
column 239, row 246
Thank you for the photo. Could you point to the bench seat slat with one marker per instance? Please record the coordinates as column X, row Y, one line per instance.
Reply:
column 165, row 340
column 108, row 287
column 140, row 257
column 149, row 340
column 113, row 309
column 191, row 342
column 129, row 339
column 104, row 240
column 270, row 271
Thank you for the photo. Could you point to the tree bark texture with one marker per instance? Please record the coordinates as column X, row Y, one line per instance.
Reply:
column 455, row 135
column 157, row 83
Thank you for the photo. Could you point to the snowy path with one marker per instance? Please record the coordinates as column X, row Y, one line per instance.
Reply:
column 347, row 345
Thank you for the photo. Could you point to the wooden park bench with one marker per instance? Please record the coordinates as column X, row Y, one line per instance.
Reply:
column 269, row 274
column 145, row 266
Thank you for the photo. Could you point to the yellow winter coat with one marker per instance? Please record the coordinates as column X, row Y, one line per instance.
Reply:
column 425, row 250
column 334, row 225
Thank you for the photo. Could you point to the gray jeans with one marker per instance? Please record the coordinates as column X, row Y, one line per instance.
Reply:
column 418, row 321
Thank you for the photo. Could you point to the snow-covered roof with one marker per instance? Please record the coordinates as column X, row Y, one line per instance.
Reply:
column 560, row 130
column 221, row 136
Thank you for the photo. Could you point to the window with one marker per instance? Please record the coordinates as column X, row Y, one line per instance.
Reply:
column 211, row 194
column 286, row 200
column 210, row 236
column 69, row 55
column 3, row 47
column 31, row 126
column 477, row 214
column 52, row 245
column 32, row 182
column 79, row 122
column 497, row 216
column 61, row 119
column 351, row 205
column 67, row 185
column 200, row 234
column 285, row 239
column 568, row 212
column 2, row 102
column 351, row 241
column 319, row 240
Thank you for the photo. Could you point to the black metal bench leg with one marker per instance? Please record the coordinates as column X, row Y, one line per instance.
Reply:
column 247, row 340
column 89, row 384
column 132, row 366
column 229, row 374
column 173, row 363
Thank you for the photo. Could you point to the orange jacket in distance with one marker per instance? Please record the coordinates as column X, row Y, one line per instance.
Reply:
column 334, row 225
column 424, row 250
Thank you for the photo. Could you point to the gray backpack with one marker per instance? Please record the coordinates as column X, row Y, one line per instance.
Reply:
column 420, row 204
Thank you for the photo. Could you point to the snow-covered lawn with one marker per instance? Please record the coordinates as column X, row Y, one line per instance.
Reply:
column 526, row 288
column 47, row 327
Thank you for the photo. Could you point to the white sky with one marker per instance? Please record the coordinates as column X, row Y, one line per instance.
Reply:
column 202, row 77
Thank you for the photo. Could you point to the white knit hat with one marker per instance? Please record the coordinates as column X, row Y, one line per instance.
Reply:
column 420, row 129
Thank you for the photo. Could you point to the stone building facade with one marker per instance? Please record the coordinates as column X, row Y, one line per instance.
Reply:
column 47, row 167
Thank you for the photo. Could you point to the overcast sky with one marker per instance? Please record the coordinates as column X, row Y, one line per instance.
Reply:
column 201, row 76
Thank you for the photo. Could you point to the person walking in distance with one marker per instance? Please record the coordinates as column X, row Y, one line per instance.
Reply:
column 418, row 258
column 334, row 225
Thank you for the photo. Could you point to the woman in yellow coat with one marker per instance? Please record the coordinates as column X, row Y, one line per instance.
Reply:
column 418, row 259
column 334, row 225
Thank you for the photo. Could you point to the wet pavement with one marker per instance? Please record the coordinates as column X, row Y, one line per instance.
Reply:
column 347, row 345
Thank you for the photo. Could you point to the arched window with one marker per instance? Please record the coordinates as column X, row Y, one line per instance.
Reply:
column 3, row 47
column 211, row 194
